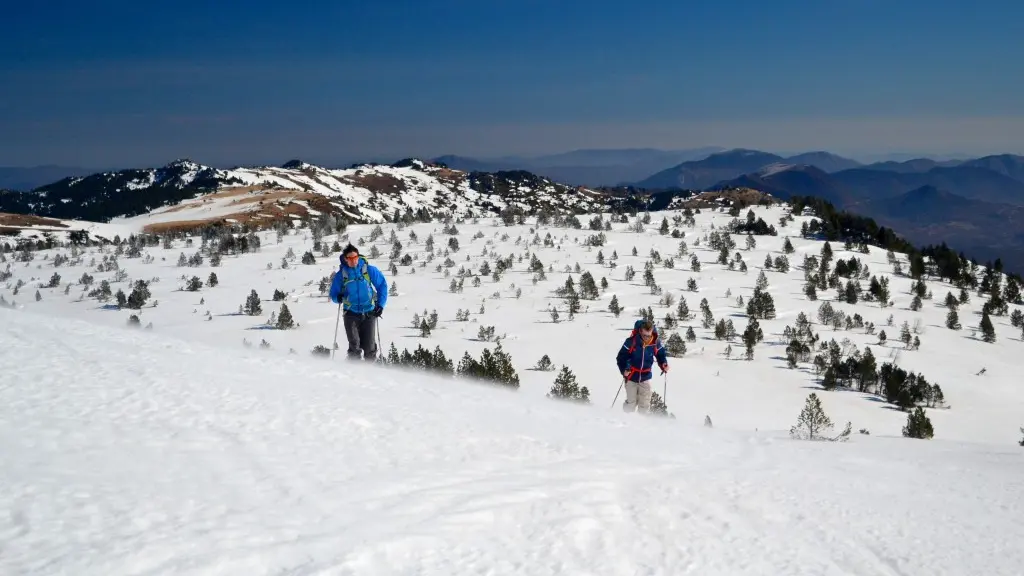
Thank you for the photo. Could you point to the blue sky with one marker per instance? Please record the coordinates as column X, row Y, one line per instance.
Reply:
column 117, row 83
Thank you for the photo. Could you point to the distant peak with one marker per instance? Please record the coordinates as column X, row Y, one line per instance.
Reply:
column 411, row 163
column 183, row 163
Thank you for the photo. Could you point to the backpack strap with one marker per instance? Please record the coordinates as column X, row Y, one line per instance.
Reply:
column 365, row 269
column 366, row 275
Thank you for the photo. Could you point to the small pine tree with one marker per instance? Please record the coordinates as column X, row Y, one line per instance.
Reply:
column 614, row 306
column 918, row 425
column 988, row 331
column 308, row 258
column 194, row 284
column 762, row 281
column 284, row 318
column 952, row 320
column 212, row 280
column 544, row 364
column 252, row 304
column 675, row 346
column 1017, row 319
column 139, row 295
column 566, row 388
column 813, row 423
column 751, row 336
column 658, row 406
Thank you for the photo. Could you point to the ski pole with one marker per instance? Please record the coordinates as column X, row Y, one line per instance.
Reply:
column 621, row 384
column 664, row 389
column 336, row 323
column 380, row 353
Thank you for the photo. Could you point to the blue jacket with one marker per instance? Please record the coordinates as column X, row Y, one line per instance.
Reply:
column 640, row 359
column 356, row 293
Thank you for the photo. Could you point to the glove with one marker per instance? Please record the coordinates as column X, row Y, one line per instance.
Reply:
column 664, row 368
column 378, row 311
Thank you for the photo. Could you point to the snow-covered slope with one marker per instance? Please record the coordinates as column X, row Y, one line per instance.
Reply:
column 983, row 399
column 15, row 228
column 128, row 452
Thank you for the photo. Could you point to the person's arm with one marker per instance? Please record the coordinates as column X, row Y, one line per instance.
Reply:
column 662, row 357
column 380, row 284
column 335, row 292
column 622, row 359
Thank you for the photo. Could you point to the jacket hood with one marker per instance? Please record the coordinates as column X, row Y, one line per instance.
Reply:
column 638, row 323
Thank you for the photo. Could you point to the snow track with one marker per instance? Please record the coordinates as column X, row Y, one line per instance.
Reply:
column 126, row 452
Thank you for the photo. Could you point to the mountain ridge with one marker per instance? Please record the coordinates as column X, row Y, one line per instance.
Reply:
column 979, row 210
column 186, row 190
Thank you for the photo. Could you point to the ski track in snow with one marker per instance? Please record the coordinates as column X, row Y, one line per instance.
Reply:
column 129, row 452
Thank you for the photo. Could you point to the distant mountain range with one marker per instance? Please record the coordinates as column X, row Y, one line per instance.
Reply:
column 974, row 205
column 586, row 167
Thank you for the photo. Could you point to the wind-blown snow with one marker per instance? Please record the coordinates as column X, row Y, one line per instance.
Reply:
column 129, row 452
column 762, row 394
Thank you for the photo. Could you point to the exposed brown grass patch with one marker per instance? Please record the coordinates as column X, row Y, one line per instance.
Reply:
column 9, row 220
column 377, row 182
column 258, row 211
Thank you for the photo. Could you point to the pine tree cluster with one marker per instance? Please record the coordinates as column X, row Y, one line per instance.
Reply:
column 566, row 387
column 494, row 367
column 421, row 359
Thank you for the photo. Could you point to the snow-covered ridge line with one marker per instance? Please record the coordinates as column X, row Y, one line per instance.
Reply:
column 188, row 194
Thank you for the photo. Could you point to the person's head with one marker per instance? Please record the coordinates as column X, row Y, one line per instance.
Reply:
column 350, row 255
column 646, row 329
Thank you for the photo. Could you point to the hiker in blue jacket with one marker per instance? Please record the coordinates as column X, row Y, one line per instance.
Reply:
column 362, row 291
column 636, row 359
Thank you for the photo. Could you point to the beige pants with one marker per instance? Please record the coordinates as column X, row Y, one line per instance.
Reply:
column 638, row 395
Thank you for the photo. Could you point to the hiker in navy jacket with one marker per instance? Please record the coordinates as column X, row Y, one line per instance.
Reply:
column 639, row 354
column 362, row 291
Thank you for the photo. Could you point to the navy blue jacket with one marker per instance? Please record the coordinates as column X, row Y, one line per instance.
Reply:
column 356, row 293
column 640, row 359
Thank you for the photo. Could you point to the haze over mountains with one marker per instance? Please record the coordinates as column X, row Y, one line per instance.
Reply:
column 973, row 204
column 586, row 167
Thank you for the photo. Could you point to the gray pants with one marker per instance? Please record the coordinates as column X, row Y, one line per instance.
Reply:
column 638, row 396
column 360, row 329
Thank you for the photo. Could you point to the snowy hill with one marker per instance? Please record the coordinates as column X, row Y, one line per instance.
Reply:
column 129, row 452
column 185, row 195
column 483, row 280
